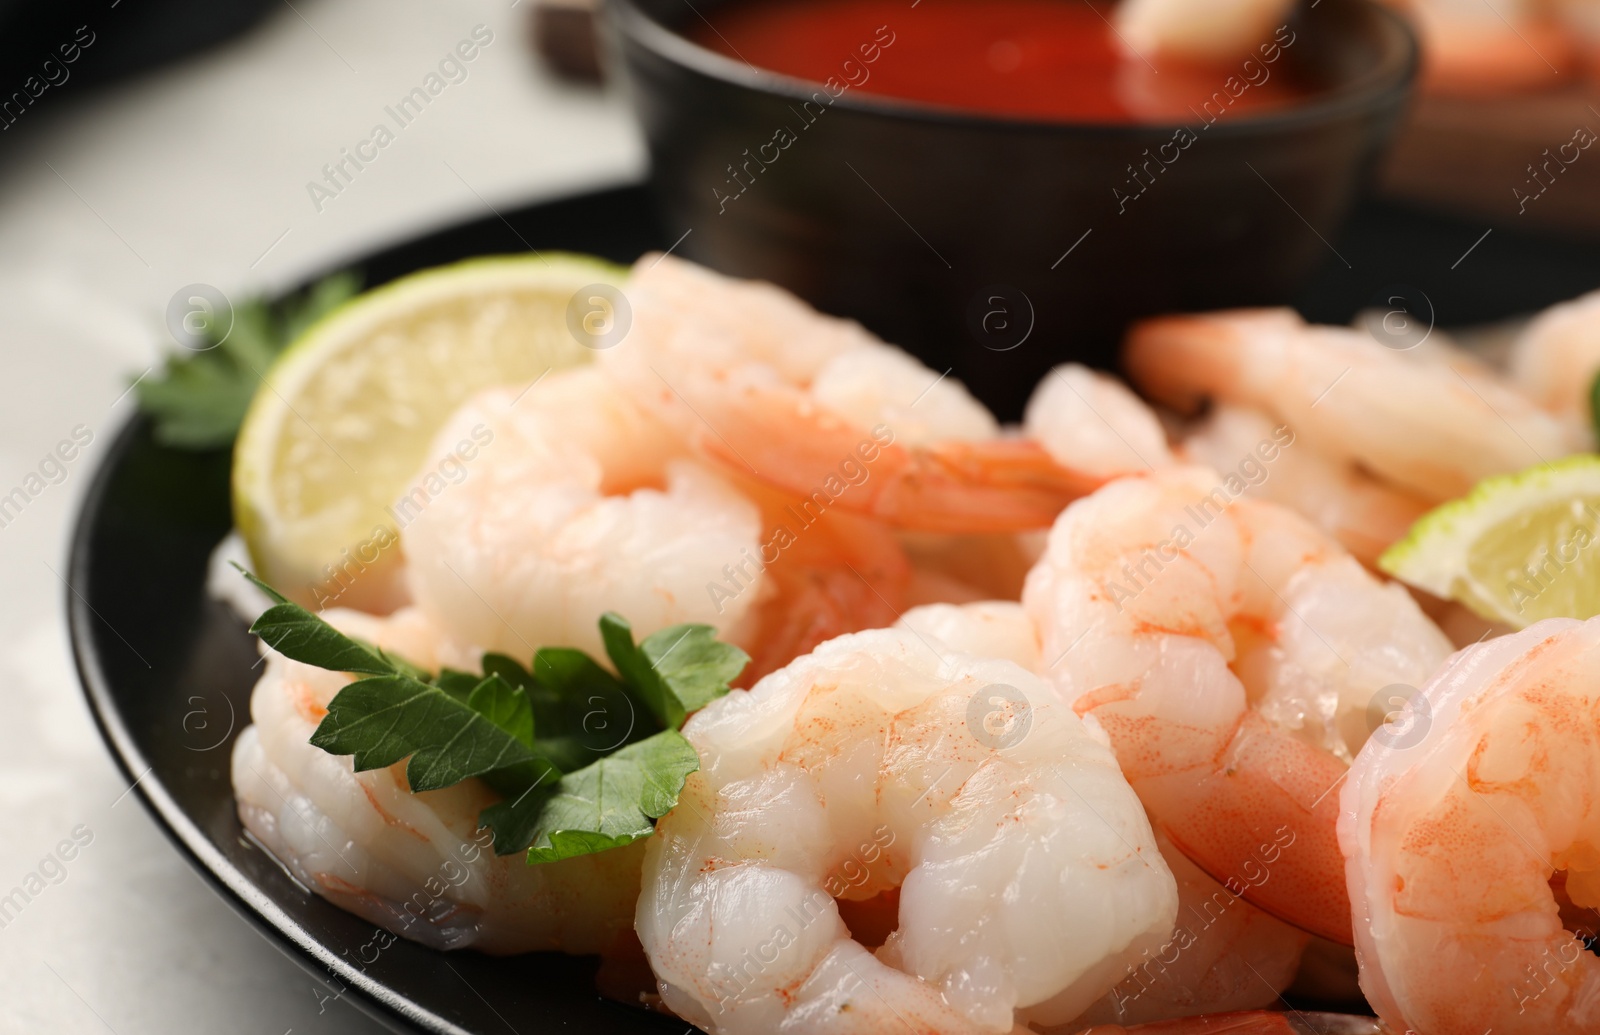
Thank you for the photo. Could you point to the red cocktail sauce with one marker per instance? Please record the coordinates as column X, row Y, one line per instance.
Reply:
column 1057, row 60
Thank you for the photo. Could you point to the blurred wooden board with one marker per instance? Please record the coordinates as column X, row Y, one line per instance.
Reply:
column 1473, row 156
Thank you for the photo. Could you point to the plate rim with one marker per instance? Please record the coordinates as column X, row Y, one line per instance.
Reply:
column 374, row 998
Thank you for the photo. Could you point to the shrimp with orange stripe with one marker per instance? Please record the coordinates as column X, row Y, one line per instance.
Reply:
column 766, row 386
column 1230, row 651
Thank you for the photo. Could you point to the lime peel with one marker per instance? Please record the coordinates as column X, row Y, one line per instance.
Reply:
column 346, row 415
column 1517, row 549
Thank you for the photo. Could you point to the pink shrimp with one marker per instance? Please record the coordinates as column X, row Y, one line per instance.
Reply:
column 999, row 485
column 814, row 575
column 1556, row 358
column 818, row 408
column 1026, row 867
column 1223, row 955
column 1366, row 515
column 1472, row 844
column 1431, row 420
column 1230, row 650
column 1477, row 49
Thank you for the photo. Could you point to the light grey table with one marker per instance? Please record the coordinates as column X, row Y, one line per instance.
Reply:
column 109, row 203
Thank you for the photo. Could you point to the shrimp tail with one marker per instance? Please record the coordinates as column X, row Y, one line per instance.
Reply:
column 1181, row 361
column 995, row 486
column 1295, row 870
column 1004, row 485
column 830, row 575
column 811, row 607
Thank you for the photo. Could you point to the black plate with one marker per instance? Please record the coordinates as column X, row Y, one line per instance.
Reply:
column 168, row 672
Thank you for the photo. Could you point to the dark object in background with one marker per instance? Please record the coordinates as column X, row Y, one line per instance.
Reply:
column 565, row 36
column 48, row 49
column 997, row 248
column 1521, row 158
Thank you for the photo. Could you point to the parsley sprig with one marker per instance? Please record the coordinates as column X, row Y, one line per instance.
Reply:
column 199, row 399
column 583, row 760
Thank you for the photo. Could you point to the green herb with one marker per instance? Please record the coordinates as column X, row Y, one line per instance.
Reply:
column 606, row 804
column 199, row 398
column 296, row 633
column 584, row 760
column 678, row 670
column 382, row 719
column 589, row 711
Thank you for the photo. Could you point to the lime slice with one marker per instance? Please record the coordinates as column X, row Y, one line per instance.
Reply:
column 1522, row 547
column 344, row 418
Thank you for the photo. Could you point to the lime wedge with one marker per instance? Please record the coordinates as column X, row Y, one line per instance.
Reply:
column 1520, row 548
column 342, row 421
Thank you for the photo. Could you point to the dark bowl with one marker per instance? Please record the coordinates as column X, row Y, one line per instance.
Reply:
column 998, row 247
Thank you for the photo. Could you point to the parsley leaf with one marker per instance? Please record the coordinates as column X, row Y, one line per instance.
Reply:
column 584, row 760
column 457, row 684
column 386, row 718
column 450, row 733
column 504, row 705
column 677, row 670
column 298, row 634
column 585, row 710
column 607, row 804
column 199, row 399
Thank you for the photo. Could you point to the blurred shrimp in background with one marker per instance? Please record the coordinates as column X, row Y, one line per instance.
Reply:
column 1505, row 115
column 1475, row 49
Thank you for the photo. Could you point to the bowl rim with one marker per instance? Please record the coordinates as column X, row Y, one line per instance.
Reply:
column 1391, row 80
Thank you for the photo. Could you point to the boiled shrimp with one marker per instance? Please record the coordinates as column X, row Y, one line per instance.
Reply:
column 1026, row 872
column 1556, row 359
column 1200, row 31
column 1477, row 49
column 1365, row 515
column 415, row 864
column 1230, row 650
column 579, row 503
column 986, row 629
column 1224, row 955
column 963, row 569
column 1472, row 843
column 819, row 574
column 1089, row 422
column 820, row 409
column 1093, row 423
column 1430, row 421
